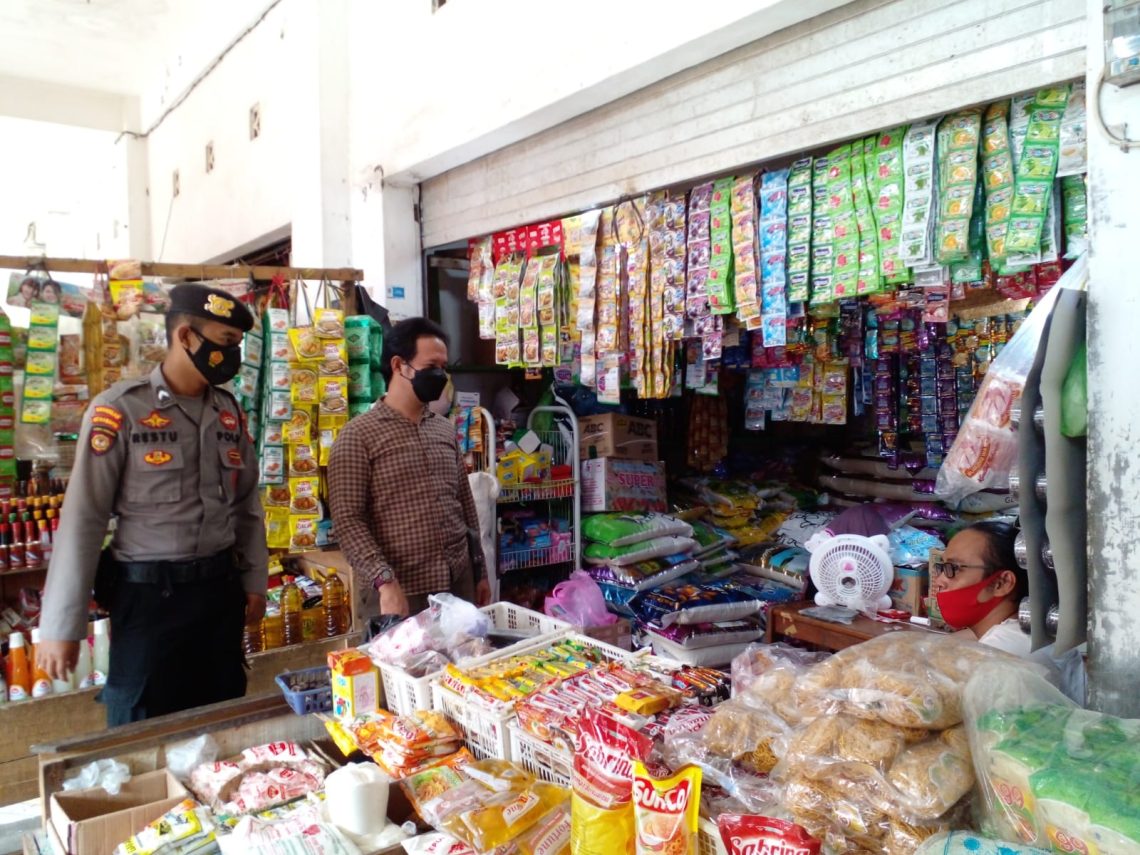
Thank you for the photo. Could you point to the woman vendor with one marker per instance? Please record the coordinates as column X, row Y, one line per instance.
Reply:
column 979, row 585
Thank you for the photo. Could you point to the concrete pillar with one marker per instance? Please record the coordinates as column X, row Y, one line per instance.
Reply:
column 319, row 154
column 1114, row 405
column 138, row 184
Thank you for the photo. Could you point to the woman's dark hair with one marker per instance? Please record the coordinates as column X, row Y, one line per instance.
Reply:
column 999, row 553
column 403, row 339
column 51, row 283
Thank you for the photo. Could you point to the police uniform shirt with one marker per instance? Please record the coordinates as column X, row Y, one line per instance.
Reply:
column 183, row 485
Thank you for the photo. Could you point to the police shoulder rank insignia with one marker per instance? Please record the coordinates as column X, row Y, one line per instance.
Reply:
column 234, row 457
column 158, row 457
column 106, row 417
column 229, row 420
column 155, row 420
column 219, row 306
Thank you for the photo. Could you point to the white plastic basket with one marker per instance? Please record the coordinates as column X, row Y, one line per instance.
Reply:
column 708, row 839
column 404, row 694
column 485, row 729
column 541, row 759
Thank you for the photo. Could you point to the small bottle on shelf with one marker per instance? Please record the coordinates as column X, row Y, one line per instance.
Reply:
column 20, row 680
column 82, row 677
column 41, row 682
column 101, row 652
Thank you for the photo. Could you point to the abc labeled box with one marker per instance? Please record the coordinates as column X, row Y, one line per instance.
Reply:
column 609, row 484
column 617, row 435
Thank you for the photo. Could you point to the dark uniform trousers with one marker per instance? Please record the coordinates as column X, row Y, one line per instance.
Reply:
column 176, row 638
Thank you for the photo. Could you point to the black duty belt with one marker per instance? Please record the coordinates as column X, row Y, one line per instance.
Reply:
column 177, row 572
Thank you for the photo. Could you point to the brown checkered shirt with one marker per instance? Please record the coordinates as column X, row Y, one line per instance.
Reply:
column 400, row 500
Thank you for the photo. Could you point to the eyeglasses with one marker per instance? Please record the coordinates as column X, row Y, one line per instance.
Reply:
column 950, row 569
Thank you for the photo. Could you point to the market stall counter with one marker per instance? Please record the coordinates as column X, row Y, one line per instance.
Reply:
column 234, row 726
column 788, row 622
column 49, row 720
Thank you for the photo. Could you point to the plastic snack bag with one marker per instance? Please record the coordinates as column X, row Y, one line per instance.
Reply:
column 666, row 811
column 985, row 450
column 602, row 815
column 749, row 835
column 1052, row 775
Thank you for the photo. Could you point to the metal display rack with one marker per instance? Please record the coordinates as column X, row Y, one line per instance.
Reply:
column 561, row 499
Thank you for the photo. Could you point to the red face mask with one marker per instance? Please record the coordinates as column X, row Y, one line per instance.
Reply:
column 960, row 608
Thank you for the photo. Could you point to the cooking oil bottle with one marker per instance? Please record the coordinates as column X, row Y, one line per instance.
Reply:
column 335, row 603
column 291, row 604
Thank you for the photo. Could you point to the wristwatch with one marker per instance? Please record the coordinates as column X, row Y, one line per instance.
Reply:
column 383, row 578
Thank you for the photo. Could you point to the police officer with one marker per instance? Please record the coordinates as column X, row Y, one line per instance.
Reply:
column 169, row 458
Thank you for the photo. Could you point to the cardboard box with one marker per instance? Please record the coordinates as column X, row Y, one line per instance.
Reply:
column 619, row 633
column 908, row 590
column 609, row 484
column 356, row 694
column 316, row 564
column 615, row 435
column 91, row 822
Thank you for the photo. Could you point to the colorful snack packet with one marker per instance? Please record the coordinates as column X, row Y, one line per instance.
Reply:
column 666, row 811
column 748, row 835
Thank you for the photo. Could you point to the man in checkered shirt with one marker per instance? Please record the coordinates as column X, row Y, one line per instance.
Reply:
column 401, row 504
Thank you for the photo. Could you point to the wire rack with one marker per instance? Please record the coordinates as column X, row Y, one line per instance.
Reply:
column 561, row 498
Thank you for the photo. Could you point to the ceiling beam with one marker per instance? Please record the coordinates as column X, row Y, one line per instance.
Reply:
column 41, row 101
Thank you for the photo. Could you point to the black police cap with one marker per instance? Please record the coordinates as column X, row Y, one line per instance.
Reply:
column 211, row 304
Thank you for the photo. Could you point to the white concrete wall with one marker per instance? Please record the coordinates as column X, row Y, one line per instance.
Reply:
column 438, row 89
column 869, row 65
column 71, row 182
column 249, row 197
column 1114, row 406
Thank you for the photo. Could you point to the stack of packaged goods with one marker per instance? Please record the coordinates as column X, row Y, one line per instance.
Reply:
column 529, row 538
column 1052, row 775
column 405, row 745
column 629, row 553
column 488, row 806
column 701, row 622
column 501, row 683
column 364, row 342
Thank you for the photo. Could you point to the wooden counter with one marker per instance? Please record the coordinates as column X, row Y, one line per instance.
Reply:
column 54, row 718
column 786, row 622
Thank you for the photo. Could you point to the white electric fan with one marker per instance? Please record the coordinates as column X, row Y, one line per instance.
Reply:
column 853, row 571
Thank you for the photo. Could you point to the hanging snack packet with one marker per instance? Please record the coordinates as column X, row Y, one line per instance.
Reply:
column 750, row 835
column 666, row 811
column 888, row 197
column 328, row 323
column 1036, row 171
column 601, row 805
column 958, row 137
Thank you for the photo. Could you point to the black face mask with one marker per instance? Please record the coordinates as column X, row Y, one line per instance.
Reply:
column 428, row 384
column 217, row 363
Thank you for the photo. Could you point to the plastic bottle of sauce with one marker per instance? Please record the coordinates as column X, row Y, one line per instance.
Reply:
column 41, row 682
column 291, row 605
column 101, row 652
column 82, row 674
column 335, row 603
column 20, row 684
